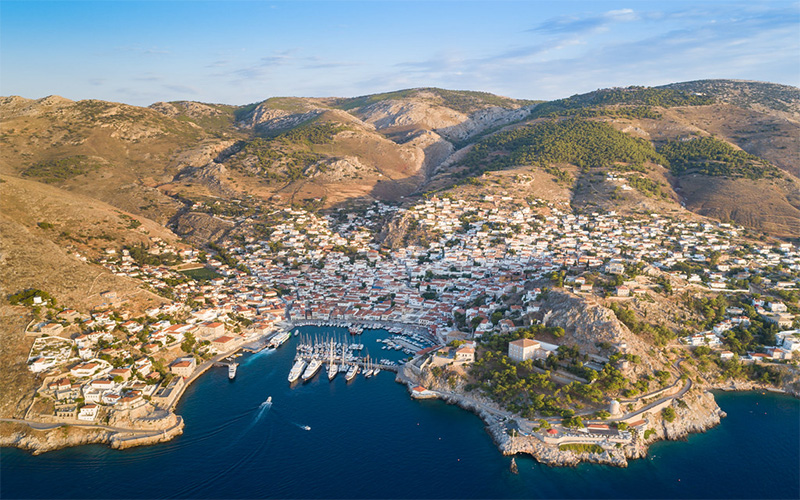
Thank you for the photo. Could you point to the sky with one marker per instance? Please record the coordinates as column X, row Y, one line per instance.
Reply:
column 242, row 52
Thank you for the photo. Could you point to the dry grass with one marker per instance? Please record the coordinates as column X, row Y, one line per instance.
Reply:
column 763, row 205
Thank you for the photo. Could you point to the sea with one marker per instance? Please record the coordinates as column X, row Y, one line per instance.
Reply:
column 369, row 439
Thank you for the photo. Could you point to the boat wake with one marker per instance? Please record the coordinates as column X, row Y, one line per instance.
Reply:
column 262, row 409
column 258, row 355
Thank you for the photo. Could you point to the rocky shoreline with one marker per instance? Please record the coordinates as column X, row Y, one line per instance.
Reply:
column 41, row 441
column 698, row 413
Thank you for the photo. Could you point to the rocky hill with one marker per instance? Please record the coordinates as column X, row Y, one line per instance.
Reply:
column 166, row 161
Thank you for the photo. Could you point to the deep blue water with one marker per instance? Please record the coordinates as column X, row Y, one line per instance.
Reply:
column 368, row 439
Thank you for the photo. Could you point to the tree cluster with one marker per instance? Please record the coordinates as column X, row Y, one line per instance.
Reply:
column 710, row 156
column 579, row 142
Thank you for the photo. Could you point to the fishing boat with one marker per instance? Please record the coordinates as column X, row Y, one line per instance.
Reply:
column 312, row 369
column 297, row 370
column 232, row 370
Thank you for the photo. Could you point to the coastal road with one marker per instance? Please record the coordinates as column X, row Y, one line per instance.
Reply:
column 45, row 426
column 684, row 390
column 196, row 373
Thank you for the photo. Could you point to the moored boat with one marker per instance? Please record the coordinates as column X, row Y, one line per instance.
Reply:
column 297, row 370
column 312, row 369
column 279, row 339
column 232, row 370
column 351, row 373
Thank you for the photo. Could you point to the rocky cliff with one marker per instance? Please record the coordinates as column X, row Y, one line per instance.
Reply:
column 41, row 441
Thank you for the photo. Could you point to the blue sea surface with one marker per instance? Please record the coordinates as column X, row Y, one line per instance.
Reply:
column 368, row 439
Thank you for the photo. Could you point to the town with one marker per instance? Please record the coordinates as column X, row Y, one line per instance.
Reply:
column 463, row 271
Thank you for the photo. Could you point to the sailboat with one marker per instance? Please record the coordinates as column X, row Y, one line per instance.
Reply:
column 332, row 368
column 343, row 364
column 367, row 369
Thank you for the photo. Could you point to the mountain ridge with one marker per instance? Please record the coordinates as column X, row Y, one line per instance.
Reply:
column 333, row 151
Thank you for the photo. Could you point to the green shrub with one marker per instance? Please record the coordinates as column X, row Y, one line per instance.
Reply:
column 581, row 448
column 53, row 171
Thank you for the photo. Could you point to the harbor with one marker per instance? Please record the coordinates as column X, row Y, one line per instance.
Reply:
column 338, row 347
column 340, row 355
column 233, row 447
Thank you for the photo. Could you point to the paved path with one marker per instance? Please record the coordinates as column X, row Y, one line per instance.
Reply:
column 684, row 390
column 43, row 426
column 201, row 369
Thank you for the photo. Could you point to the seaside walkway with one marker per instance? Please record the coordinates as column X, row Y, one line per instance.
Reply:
column 46, row 426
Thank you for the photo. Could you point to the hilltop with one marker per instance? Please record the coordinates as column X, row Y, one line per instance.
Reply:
column 161, row 161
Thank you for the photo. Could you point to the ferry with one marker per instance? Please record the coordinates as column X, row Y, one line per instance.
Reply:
column 351, row 373
column 279, row 339
column 232, row 370
column 312, row 369
column 297, row 370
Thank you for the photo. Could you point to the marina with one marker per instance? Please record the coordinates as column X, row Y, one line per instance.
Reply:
column 236, row 447
column 351, row 358
column 337, row 351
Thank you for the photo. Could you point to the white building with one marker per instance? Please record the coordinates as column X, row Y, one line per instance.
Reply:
column 522, row 349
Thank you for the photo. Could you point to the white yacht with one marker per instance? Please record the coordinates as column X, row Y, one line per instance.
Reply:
column 232, row 370
column 297, row 370
column 351, row 373
column 312, row 369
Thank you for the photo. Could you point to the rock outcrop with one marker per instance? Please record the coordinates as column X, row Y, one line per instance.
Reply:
column 41, row 441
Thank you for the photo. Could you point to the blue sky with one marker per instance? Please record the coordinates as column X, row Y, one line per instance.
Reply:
column 242, row 52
